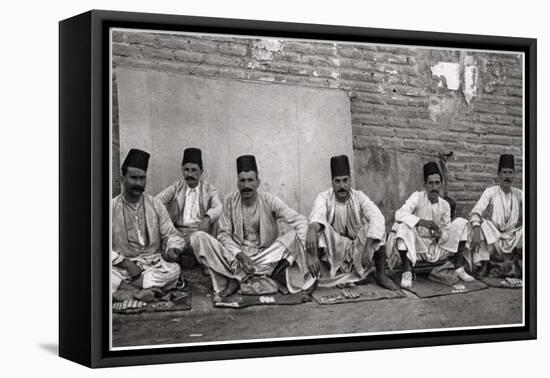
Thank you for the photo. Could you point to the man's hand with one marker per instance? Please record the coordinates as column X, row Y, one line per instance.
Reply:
column 476, row 239
column 131, row 267
column 312, row 259
column 313, row 264
column 205, row 224
column 311, row 238
column 436, row 234
column 246, row 263
column 430, row 225
column 172, row 255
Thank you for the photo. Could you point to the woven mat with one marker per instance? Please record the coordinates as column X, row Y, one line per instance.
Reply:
column 506, row 283
column 425, row 288
column 180, row 300
column 369, row 292
column 240, row 301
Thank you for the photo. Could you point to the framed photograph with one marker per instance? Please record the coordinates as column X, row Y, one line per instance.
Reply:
column 234, row 188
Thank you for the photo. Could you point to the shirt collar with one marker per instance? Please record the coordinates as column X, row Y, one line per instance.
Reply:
column 504, row 193
column 189, row 190
column 134, row 206
column 439, row 198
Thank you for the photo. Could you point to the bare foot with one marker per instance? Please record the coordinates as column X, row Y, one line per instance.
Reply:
column 232, row 286
column 347, row 285
column 386, row 282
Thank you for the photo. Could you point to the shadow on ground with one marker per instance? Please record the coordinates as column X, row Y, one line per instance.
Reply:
column 50, row 348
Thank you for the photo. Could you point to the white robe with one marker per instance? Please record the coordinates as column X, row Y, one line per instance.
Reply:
column 499, row 216
column 271, row 247
column 418, row 242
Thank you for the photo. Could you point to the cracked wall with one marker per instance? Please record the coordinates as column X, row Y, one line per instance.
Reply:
column 408, row 105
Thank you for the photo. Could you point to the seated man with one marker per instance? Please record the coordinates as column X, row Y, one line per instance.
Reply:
column 249, row 242
column 193, row 204
column 144, row 238
column 423, row 229
column 497, row 233
column 346, row 233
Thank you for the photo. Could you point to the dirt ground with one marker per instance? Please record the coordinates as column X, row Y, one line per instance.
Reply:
column 205, row 323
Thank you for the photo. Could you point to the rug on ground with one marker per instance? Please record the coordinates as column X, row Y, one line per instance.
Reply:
column 242, row 300
column 426, row 288
column 368, row 292
column 507, row 283
column 173, row 300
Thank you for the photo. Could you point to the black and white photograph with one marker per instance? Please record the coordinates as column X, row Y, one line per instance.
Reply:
column 241, row 188
column 277, row 188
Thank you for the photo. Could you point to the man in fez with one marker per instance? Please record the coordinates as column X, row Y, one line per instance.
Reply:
column 497, row 231
column 193, row 204
column 423, row 231
column 346, row 233
column 249, row 242
column 144, row 238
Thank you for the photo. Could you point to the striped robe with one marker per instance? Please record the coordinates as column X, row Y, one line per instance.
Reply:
column 273, row 246
column 173, row 197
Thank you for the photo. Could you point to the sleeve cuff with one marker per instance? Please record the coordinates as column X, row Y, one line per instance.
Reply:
column 322, row 222
column 175, row 242
column 411, row 220
column 376, row 236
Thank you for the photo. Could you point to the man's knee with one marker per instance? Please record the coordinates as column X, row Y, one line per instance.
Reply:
column 198, row 234
column 116, row 280
column 172, row 270
column 201, row 243
column 404, row 231
column 400, row 245
column 288, row 237
column 197, row 237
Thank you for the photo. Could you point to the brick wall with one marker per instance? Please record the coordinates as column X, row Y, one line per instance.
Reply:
column 410, row 100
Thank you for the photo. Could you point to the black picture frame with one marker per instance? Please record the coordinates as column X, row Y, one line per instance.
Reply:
column 85, row 197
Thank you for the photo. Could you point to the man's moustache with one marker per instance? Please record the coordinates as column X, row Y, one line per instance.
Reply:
column 246, row 190
column 138, row 188
column 435, row 191
column 342, row 191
